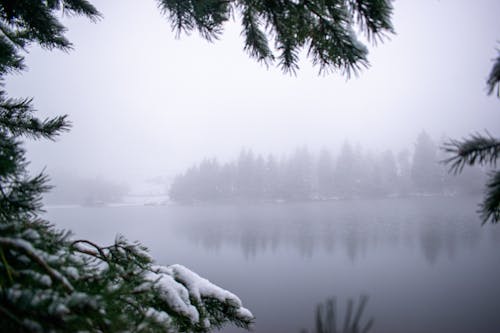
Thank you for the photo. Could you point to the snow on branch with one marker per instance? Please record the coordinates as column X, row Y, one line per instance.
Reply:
column 27, row 249
column 176, row 291
column 185, row 292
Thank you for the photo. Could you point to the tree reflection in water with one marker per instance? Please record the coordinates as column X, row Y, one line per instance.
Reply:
column 327, row 318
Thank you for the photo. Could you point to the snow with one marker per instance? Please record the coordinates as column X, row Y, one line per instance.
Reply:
column 82, row 300
column 143, row 253
column 13, row 294
column 178, row 287
column 244, row 313
column 59, row 309
column 44, row 280
column 31, row 234
column 72, row 272
column 160, row 317
column 173, row 293
column 199, row 286
column 176, row 284
column 37, row 256
column 355, row 41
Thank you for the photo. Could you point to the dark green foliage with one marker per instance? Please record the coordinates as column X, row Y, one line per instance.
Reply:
column 480, row 150
column 27, row 21
column 490, row 207
column 16, row 116
column 21, row 23
column 50, row 282
column 325, row 29
column 476, row 150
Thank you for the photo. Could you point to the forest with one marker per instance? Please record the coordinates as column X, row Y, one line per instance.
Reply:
column 303, row 175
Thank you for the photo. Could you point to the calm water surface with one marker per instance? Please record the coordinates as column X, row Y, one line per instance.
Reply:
column 426, row 264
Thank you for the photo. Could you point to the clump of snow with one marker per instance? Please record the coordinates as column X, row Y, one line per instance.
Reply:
column 355, row 41
column 31, row 234
column 72, row 272
column 206, row 323
column 161, row 317
column 173, row 293
column 13, row 294
column 44, row 280
column 59, row 309
column 143, row 253
column 81, row 300
column 244, row 313
column 199, row 286
column 176, row 284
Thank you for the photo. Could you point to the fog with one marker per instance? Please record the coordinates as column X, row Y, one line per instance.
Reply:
column 288, row 190
column 425, row 263
column 145, row 105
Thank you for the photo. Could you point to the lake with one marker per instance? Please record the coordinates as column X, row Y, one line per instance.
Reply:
column 425, row 264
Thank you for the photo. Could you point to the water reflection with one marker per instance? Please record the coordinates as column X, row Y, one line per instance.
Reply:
column 353, row 228
column 427, row 262
column 328, row 318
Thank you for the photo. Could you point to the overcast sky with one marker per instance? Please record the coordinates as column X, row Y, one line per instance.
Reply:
column 145, row 104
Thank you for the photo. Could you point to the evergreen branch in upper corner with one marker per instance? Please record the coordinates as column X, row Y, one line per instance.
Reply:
column 490, row 207
column 327, row 30
column 476, row 150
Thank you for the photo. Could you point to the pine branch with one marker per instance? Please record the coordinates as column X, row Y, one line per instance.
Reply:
column 206, row 16
column 374, row 17
column 81, row 8
column 494, row 77
column 490, row 207
column 285, row 44
column 98, row 255
column 325, row 27
column 256, row 43
column 26, row 248
column 23, row 196
column 16, row 115
column 476, row 150
column 10, row 60
column 17, row 38
column 332, row 43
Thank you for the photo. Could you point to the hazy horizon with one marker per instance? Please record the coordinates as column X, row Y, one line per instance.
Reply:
column 144, row 104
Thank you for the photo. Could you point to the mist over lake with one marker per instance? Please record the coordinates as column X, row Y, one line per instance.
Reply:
column 425, row 263
column 302, row 166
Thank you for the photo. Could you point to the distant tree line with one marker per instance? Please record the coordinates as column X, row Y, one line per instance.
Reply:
column 303, row 175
